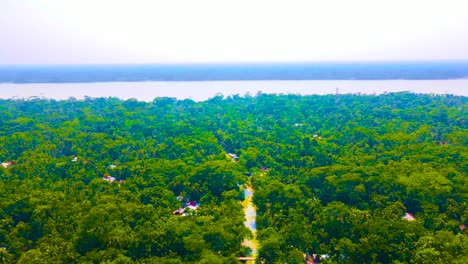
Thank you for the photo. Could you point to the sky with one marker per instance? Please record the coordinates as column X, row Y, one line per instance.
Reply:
column 206, row 31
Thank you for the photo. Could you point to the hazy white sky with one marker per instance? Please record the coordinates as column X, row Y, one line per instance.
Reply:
column 169, row 31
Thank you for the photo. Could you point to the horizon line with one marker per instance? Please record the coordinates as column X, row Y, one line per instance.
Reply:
column 201, row 63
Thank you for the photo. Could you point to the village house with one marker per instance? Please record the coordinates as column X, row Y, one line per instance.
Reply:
column 108, row 178
column 314, row 258
column 408, row 217
column 192, row 206
column 7, row 164
column 234, row 157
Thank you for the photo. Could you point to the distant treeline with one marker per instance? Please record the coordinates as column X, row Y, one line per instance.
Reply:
column 354, row 179
column 213, row 72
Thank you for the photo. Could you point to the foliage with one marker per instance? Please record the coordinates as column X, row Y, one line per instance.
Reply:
column 331, row 176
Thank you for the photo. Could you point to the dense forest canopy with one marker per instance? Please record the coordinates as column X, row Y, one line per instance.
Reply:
column 333, row 176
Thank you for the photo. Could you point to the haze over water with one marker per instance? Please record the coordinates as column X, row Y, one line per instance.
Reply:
column 203, row 81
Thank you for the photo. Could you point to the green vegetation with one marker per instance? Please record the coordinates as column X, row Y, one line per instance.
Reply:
column 338, row 176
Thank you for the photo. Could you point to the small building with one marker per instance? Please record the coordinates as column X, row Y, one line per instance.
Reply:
column 74, row 159
column 234, row 157
column 315, row 258
column 408, row 217
column 7, row 164
column 108, row 178
column 192, row 206
column 245, row 259
column 180, row 211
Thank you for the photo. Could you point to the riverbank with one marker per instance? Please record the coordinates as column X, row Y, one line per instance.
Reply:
column 203, row 90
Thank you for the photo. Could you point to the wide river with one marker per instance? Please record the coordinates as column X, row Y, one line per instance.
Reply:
column 203, row 90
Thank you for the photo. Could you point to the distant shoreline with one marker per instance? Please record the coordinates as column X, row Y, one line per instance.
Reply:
column 203, row 90
column 233, row 80
column 430, row 70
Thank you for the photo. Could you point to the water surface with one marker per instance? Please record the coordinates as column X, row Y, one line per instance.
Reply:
column 203, row 90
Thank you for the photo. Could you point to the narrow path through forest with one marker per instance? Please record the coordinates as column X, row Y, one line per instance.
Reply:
column 250, row 213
